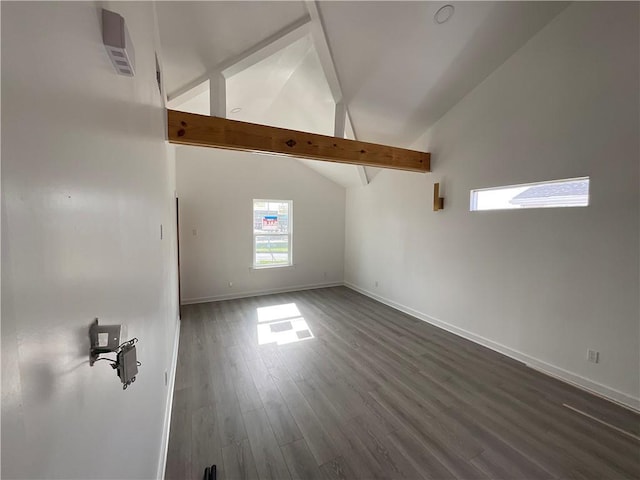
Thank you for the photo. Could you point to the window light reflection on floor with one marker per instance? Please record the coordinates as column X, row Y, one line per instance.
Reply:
column 282, row 324
column 278, row 312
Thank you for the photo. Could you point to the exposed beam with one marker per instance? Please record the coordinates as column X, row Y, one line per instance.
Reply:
column 323, row 50
column 217, row 95
column 340, row 131
column 350, row 133
column 205, row 131
column 329, row 68
column 362, row 174
column 340, row 120
column 267, row 47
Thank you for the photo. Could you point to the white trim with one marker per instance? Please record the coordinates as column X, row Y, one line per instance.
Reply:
column 362, row 173
column 255, row 293
column 217, row 95
column 579, row 381
column 289, row 233
column 282, row 39
column 531, row 184
column 164, row 446
column 188, row 91
column 269, row 267
column 323, row 50
column 561, row 201
column 340, row 118
column 349, row 132
column 602, row 422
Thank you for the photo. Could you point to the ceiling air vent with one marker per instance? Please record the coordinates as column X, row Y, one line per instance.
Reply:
column 115, row 37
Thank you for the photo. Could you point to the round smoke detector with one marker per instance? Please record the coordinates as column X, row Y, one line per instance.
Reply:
column 443, row 14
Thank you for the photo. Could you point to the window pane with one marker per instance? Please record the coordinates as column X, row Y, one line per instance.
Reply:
column 573, row 192
column 270, row 217
column 272, row 250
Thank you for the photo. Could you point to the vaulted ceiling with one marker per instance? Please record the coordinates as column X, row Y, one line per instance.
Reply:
column 398, row 70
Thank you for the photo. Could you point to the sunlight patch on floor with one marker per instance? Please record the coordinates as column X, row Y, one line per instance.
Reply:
column 282, row 324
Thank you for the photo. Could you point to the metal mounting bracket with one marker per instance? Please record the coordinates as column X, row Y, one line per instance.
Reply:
column 104, row 339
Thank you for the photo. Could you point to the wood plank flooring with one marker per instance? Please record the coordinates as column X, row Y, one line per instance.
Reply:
column 374, row 394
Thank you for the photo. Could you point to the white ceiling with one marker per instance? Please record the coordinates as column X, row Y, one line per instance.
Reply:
column 197, row 36
column 287, row 89
column 399, row 71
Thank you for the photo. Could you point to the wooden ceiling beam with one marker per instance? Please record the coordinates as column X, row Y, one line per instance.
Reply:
column 205, row 131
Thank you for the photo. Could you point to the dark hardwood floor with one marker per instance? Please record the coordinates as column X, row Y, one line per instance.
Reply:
column 374, row 394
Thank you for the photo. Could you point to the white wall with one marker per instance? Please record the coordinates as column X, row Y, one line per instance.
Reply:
column 216, row 189
column 87, row 179
column 542, row 285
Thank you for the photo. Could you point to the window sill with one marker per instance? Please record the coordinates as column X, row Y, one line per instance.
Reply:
column 271, row 267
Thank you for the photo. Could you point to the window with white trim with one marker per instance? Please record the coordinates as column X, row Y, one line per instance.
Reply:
column 272, row 230
column 569, row 192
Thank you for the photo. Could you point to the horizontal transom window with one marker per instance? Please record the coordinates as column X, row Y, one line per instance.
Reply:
column 570, row 192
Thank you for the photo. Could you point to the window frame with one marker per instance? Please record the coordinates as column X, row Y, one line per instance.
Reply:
column 473, row 195
column 289, row 234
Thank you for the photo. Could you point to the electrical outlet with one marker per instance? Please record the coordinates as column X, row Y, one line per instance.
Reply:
column 161, row 233
column 194, row 232
column 593, row 356
column 376, row 283
column 231, row 284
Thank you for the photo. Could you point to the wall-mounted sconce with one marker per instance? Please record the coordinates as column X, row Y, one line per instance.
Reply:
column 438, row 201
column 106, row 339
column 115, row 37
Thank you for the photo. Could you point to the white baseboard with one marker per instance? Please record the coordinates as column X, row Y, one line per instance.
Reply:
column 255, row 293
column 164, row 446
column 579, row 381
